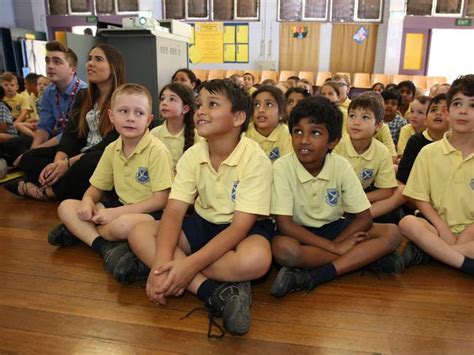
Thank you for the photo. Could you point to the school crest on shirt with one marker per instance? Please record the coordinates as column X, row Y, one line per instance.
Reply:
column 332, row 196
column 366, row 174
column 274, row 154
column 233, row 194
column 142, row 175
column 472, row 184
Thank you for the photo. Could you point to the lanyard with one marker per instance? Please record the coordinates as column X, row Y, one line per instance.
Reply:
column 64, row 116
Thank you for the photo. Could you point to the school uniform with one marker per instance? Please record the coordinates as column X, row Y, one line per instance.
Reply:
column 148, row 169
column 405, row 133
column 443, row 178
column 276, row 145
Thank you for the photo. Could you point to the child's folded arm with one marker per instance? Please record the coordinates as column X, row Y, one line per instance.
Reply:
column 435, row 219
column 379, row 194
column 155, row 202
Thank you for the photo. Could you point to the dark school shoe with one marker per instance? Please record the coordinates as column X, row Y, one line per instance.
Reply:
column 130, row 269
column 232, row 301
column 60, row 236
column 412, row 255
column 390, row 264
column 291, row 280
column 112, row 252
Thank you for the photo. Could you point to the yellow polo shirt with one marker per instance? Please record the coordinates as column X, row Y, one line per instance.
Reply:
column 373, row 166
column 383, row 135
column 277, row 144
column 32, row 99
column 17, row 103
column 443, row 178
column 174, row 143
column 147, row 170
column 405, row 133
column 346, row 104
column 314, row 201
column 241, row 183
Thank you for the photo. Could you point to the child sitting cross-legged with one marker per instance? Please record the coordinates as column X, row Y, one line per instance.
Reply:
column 324, row 223
column 369, row 157
column 215, row 251
column 140, row 169
column 442, row 185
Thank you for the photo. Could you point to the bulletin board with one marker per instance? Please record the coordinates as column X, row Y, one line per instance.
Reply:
column 219, row 42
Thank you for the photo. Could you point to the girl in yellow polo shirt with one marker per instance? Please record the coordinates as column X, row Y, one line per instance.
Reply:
column 177, row 110
column 267, row 127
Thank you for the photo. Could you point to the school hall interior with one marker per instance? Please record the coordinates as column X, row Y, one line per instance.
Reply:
column 62, row 301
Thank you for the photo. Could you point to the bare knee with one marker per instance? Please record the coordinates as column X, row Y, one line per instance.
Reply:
column 285, row 252
column 256, row 261
column 67, row 207
column 121, row 227
column 137, row 232
column 393, row 236
column 407, row 226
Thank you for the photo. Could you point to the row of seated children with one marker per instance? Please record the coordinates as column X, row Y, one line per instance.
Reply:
column 323, row 215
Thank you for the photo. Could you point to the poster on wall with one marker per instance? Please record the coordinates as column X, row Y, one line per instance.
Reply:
column 218, row 42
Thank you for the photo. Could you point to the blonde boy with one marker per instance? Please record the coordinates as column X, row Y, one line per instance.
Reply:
column 137, row 165
column 442, row 185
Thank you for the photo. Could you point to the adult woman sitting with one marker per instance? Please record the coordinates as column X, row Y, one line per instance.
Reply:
column 63, row 171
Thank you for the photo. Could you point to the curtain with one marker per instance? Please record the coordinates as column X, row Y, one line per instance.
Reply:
column 299, row 46
column 350, row 56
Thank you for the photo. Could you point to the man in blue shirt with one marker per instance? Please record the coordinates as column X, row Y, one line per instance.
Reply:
column 61, row 65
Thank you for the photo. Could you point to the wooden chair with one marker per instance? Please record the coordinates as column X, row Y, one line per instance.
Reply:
column 420, row 81
column 269, row 74
column 381, row 78
column 308, row 75
column 201, row 74
column 361, row 80
column 322, row 76
column 216, row 74
column 431, row 80
column 285, row 74
column 397, row 78
column 229, row 73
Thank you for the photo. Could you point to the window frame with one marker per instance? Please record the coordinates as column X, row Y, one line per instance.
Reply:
column 317, row 19
column 210, row 15
column 117, row 12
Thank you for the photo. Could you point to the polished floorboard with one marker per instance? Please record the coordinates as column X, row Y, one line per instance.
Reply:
column 62, row 301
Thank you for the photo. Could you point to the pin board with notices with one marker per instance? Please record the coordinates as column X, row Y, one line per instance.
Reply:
column 219, row 42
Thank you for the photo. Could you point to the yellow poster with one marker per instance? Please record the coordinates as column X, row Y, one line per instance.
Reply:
column 229, row 34
column 229, row 52
column 242, row 53
column 209, row 41
column 243, row 34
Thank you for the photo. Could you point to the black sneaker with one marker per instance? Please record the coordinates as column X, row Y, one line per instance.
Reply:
column 291, row 280
column 412, row 255
column 112, row 252
column 231, row 301
column 61, row 237
column 130, row 269
column 390, row 264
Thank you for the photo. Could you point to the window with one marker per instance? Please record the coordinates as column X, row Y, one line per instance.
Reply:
column 79, row 7
column 58, row 7
column 126, row 6
column 419, row 7
column 470, row 8
column 448, row 7
column 219, row 10
column 341, row 10
column 104, row 6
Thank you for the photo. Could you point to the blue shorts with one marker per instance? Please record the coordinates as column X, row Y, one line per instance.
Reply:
column 331, row 230
column 115, row 202
column 199, row 231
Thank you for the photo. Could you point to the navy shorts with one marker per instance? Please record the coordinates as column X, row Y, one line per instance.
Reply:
column 199, row 231
column 331, row 230
column 115, row 202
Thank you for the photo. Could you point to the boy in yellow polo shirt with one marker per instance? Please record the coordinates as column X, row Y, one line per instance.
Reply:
column 324, row 224
column 216, row 250
column 442, row 185
column 369, row 157
column 137, row 166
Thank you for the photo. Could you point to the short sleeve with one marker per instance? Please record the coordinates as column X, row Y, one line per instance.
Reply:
column 103, row 176
column 282, row 197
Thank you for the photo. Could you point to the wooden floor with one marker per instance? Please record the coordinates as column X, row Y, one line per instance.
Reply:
column 63, row 301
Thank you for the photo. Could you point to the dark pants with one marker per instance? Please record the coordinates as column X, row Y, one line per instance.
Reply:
column 73, row 183
column 15, row 147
